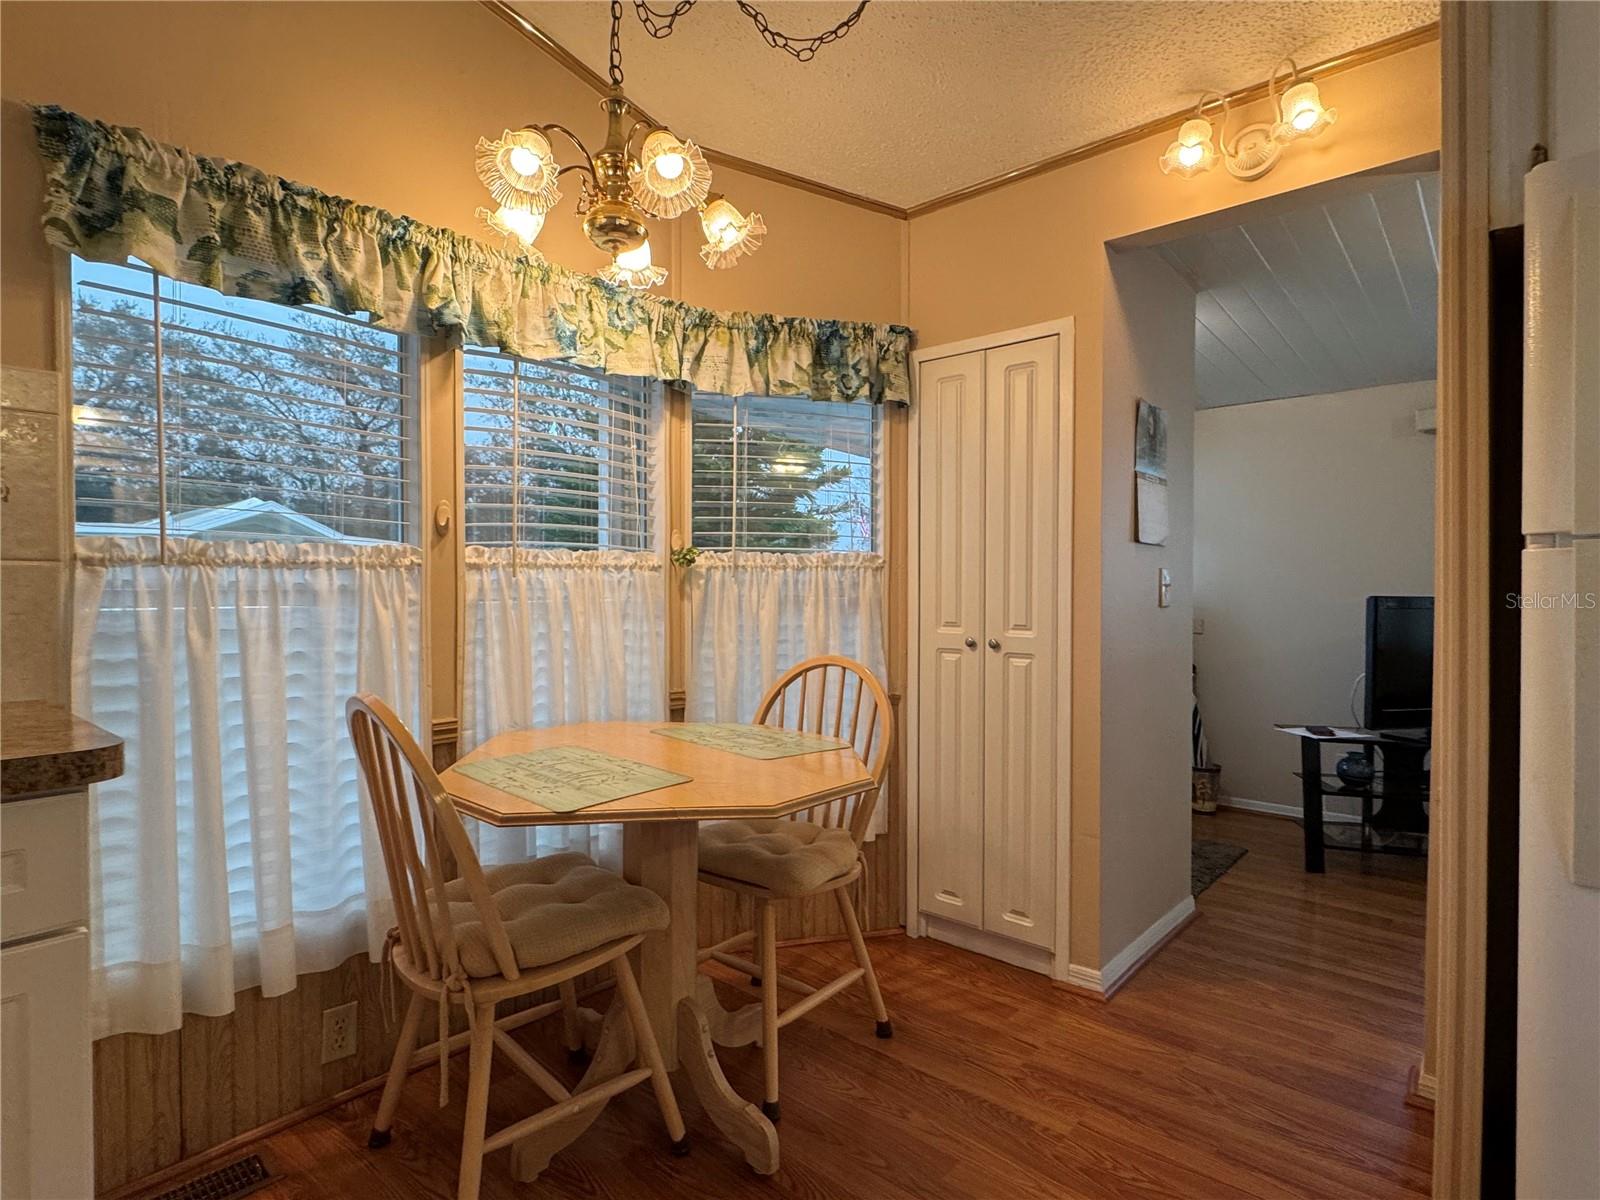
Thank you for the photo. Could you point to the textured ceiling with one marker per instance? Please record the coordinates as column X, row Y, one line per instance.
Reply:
column 1327, row 297
column 927, row 97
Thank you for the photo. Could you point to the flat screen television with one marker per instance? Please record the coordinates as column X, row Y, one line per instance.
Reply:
column 1399, row 662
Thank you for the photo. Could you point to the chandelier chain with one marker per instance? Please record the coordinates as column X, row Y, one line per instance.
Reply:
column 658, row 23
column 804, row 49
column 616, row 44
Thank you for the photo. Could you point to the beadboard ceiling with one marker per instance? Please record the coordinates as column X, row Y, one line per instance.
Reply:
column 1328, row 297
column 923, row 98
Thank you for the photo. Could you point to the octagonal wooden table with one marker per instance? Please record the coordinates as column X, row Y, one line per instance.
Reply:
column 661, row 852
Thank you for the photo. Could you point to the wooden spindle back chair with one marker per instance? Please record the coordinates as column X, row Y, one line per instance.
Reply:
column 836, row 697
column 423, row 838
column 840, row 698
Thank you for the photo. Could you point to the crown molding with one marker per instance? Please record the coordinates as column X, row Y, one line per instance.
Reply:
column 1420, row 36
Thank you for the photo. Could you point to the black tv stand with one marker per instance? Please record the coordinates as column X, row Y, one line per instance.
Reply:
column 1401, row 784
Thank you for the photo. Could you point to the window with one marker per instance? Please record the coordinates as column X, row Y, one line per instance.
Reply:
column 231, row 854
column 556, row 457
column 784, row 474
column 202, row 415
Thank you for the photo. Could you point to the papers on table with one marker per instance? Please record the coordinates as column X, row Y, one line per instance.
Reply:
column 568, row 778
column 752, row 741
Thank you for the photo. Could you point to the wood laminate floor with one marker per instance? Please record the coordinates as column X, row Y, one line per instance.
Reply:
column 1264, row 1052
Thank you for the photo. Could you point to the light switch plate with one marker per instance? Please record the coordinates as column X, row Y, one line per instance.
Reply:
column 1164, row 588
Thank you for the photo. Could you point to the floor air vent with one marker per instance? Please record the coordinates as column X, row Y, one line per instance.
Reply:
column 235, row 1179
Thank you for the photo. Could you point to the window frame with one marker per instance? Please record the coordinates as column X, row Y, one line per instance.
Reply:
column 648, row 527
column 412, row 484
column 877, row 491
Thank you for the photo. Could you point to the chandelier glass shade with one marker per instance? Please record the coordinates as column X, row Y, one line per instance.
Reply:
column 633, row 269
column 519, row 169
column 729, row 233
column 671, row 177
column 509, row 221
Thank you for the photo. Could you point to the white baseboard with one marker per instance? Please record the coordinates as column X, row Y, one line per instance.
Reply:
column 990, row 945
column 1284, row 810
column 1110, row 977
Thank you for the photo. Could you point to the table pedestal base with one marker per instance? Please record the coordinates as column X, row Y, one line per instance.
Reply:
column 740, row 1121
column 613, row 1053
column 683, row 1006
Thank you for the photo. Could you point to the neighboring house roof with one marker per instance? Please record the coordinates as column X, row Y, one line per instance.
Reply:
column 248, row 516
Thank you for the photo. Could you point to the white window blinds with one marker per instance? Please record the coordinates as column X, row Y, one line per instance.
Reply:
column 785, row 474
column 556, row 457
column 202, row 415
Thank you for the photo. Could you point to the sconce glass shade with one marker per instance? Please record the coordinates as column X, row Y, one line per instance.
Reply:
column 1192, row 152
column 729, row 233
column 633, row 269
column 1303, row 114
column 519, row 169
column 671, row 177
column 509, row 221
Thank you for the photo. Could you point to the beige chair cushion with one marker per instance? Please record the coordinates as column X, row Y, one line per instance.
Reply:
column 788, row 858
column 553, row 907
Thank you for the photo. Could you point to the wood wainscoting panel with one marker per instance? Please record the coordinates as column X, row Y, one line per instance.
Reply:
column 162, row 1100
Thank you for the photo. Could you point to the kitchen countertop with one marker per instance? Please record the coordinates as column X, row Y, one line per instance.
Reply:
column 45, row 749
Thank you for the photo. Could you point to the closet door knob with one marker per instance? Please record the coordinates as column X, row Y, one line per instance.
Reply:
column 972, row 643
column 994, row 643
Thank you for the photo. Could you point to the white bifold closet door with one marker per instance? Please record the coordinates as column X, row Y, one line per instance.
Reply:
column 989, row 551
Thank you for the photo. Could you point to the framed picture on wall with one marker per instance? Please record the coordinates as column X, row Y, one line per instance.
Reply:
column 1150, row 474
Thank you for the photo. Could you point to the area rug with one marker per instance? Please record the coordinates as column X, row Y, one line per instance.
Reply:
column 1209, row 862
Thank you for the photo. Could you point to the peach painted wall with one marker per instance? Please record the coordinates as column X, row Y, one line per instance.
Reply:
column 1035, row 251
column 379, row 102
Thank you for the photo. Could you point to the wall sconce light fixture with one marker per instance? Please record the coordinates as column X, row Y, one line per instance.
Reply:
column 1255, row 149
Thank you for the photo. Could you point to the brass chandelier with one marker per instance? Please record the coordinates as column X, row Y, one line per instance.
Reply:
column 620, row 186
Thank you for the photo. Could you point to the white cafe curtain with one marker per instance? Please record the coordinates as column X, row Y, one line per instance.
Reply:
column 554, row 637
column 237, row 849
column 753, row 615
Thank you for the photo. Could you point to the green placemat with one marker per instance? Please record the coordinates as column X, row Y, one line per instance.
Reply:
column 751, row 741
column 567, row 778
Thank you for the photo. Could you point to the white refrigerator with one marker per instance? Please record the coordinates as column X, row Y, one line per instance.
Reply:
column 1558, row 862
column 1560, row 596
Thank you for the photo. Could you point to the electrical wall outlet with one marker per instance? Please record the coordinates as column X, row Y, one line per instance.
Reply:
column 338, row 1032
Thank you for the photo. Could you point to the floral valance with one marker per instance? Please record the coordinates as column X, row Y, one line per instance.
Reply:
column 112, row 194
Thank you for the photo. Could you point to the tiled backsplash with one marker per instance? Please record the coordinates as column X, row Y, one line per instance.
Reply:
column 34, row 642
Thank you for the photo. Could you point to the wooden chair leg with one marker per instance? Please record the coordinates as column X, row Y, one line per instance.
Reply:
column 644, row 1037
column 767, row 918
column 847, row 911
column 480, row 1057
column 398, row 1066
column 571, row 1030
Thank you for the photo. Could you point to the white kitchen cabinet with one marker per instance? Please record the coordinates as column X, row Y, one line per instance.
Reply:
column 46, row 1070
column 46, row 1086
